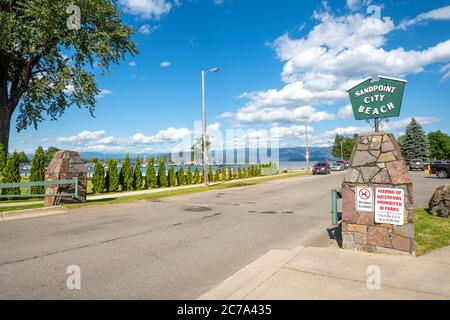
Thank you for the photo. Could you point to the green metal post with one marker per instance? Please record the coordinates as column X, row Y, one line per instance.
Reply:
column 76, row 186
column 334, row 214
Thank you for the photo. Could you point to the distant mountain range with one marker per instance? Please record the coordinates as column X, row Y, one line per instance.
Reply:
column 285, row 154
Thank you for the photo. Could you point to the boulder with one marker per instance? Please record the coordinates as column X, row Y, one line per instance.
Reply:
column 439, row 204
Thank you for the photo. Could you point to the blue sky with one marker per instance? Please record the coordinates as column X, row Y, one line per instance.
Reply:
column 282, row 63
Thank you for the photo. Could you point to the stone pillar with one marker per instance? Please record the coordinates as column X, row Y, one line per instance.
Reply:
column 376, row 162
column 66, row 165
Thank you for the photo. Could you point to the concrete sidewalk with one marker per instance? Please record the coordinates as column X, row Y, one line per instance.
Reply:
column 330, row 273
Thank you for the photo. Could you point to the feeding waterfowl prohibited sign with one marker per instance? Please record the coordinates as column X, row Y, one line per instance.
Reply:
column 377, row 100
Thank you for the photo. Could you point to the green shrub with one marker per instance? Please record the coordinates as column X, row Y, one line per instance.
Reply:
column 98, row 178
column 172, row 177
column 137, row 175
column 162, row 177
column 181, row 177
column 3, row 158
column 38, row 170
column 151, row 179
column 11, row 174
column 189, row 176
column 197, row 178
column 211, row 174
column 112, row 176
column 126, row 174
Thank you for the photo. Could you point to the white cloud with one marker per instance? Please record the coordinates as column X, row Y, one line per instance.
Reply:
column 82, row 137
column 165, row 64
column 171, row 135
column 97, row 141
column 336, row 54
column 146, row 9
column 356, row 5
column 103, row 93
column 281, row 114
column 132, row 64
column 148, row 29
column 213, row 127
column 436, row 14
column 345, row 112
column 392, row 125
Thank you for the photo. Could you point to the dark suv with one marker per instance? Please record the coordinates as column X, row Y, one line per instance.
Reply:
column 321, row 168
column 440, row 168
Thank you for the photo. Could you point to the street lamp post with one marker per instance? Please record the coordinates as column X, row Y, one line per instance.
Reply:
column 205, row 144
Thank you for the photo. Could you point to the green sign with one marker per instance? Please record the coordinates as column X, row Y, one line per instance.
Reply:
column 377, row 100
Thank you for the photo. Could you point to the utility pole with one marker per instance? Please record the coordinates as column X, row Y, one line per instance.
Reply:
column 307, row 146
column 205, row 151
column 342, row 151
column 204, row 136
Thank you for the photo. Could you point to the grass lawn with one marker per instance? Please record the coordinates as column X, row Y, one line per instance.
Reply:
column 159, row 195
column 430, row 232
column 199, row 188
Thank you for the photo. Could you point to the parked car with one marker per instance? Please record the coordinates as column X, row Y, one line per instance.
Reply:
column 321, row 168
column 440, row 168
column 416, row 164
column 344, row 162
column 337, row 166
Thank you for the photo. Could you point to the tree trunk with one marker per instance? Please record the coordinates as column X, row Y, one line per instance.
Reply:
column 5, row 122
column 5, row 108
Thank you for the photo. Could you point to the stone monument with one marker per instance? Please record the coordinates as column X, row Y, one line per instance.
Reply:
column 66, row 165
column 376, row 169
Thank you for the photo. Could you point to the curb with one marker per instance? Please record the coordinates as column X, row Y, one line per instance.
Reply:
column 31, row 213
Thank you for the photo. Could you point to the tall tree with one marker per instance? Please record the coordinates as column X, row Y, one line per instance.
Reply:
column 126, row 174
column 416, row 144
column 11, row 174
column 137, row 175
column 344, row 144
column 50, row 153
column 112, row 176
column 38, row 170
column 439, row 145
column 47, row 62
column 23, row 158
column 162, row 176
column 151, row 180
column 98, row 177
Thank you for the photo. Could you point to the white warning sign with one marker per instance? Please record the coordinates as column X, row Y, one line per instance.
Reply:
column 389, row 206
column 364, row 199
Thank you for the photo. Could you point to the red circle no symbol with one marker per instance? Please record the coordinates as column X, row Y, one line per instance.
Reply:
column 364, row 194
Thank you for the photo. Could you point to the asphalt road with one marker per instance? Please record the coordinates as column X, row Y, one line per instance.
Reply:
column 176, row 248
